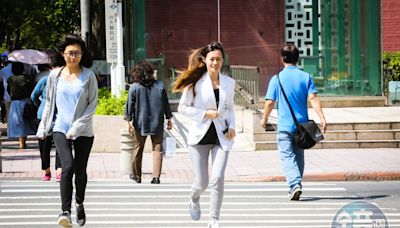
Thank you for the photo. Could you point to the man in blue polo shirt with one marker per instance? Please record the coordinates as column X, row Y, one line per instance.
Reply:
column 298, row 86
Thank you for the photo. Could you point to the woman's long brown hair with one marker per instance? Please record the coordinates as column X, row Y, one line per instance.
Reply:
column 196, row 67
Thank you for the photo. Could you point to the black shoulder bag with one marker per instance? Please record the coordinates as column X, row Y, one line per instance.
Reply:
column 308, row 133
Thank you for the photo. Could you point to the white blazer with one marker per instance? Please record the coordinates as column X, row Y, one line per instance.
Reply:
column 195, row 107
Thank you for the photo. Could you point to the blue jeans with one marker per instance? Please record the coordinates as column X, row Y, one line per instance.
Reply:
column 292, row 159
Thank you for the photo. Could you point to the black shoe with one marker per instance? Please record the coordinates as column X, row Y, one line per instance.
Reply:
column 80, row 215
column 155, row 180
column 64, row 219
column 137, row 180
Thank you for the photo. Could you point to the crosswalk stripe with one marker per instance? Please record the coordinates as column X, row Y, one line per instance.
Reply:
column 125, row 204
column 185, row 196
column 173, row 215
column 169, row 190
column 178, row 203
column 266, row 221
column 131, row 184
column 181, row 210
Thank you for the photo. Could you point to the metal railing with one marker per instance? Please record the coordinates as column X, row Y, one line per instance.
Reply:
column 246, row 89
column 247, row 83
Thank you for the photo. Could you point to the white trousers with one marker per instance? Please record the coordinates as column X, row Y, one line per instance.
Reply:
column 199, row 155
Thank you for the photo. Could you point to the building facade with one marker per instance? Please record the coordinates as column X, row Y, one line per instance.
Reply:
column 390, row 25
column 339, row 40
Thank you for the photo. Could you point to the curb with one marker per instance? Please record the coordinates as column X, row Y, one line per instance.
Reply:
column 338, row 176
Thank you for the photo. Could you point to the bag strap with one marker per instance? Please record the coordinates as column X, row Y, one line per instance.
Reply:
column 287, row 101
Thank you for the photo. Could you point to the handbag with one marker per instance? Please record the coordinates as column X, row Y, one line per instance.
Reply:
column 30, row 111
column 307, row 133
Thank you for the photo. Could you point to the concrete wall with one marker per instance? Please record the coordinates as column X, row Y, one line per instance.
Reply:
column 107, row 136
column 107, row 133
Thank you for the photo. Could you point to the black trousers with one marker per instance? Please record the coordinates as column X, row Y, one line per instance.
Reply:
column 45, row 148
column 73, row 164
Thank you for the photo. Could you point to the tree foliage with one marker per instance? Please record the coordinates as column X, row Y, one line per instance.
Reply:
column 36, row 24
column 391, row 61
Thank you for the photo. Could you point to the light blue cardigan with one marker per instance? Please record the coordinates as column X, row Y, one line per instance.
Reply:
column 82, row 121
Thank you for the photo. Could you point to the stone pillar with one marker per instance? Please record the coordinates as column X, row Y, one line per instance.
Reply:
column 125, row 165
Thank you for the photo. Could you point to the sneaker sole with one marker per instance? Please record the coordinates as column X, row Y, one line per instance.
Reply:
column 296, row 195
column 81, row 222
column 64, row 222
column 194, row 214
column 194, row 217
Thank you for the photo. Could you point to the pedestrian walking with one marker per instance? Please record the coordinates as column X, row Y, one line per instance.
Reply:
column 145, row 109
column 208, row 100
column 298, row 86
column 71, row 100
column 38, row 97
column 5, row 74
column 2, row 106
column 19, row 88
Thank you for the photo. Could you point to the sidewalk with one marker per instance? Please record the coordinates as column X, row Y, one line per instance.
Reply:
column 321, row 165
column 243, row 164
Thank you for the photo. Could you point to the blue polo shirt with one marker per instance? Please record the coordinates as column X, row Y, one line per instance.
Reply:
column 297, row 85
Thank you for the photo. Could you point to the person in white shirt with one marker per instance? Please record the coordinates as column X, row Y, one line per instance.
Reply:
column 208, row 100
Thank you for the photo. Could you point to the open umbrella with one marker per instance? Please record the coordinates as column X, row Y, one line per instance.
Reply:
column 29, row 56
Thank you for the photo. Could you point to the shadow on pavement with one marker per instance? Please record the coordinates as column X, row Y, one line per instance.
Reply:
column 344, row 198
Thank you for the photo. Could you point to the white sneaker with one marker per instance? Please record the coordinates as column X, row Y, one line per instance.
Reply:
column 194, row 209
column 64, row 219
column 213, row 223
column 295, row 193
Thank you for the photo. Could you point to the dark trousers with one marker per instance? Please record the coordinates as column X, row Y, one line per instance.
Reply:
column 73, row 165
column 137, row 156
column 3, row 117
column 45, row 148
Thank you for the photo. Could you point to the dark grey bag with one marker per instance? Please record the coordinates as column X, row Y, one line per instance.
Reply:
column 308, row 133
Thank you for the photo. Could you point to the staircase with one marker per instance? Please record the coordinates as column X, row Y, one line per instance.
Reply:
column 345, row 135
column 372, row 127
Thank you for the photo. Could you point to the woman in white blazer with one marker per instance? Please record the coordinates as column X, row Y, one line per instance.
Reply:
column 208, row 100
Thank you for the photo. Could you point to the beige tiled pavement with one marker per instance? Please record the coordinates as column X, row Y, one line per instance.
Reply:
column 243, row 165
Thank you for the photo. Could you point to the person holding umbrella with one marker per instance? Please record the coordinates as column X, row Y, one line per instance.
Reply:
column 19, row 87
column 28, row 58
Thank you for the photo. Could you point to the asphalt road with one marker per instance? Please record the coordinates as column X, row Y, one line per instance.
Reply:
column 247, row 205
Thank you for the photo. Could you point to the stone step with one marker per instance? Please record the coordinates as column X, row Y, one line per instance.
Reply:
column 364, row 126
column 335, row 135
column 339, row 144
column 350, row 126
column 341, row 102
